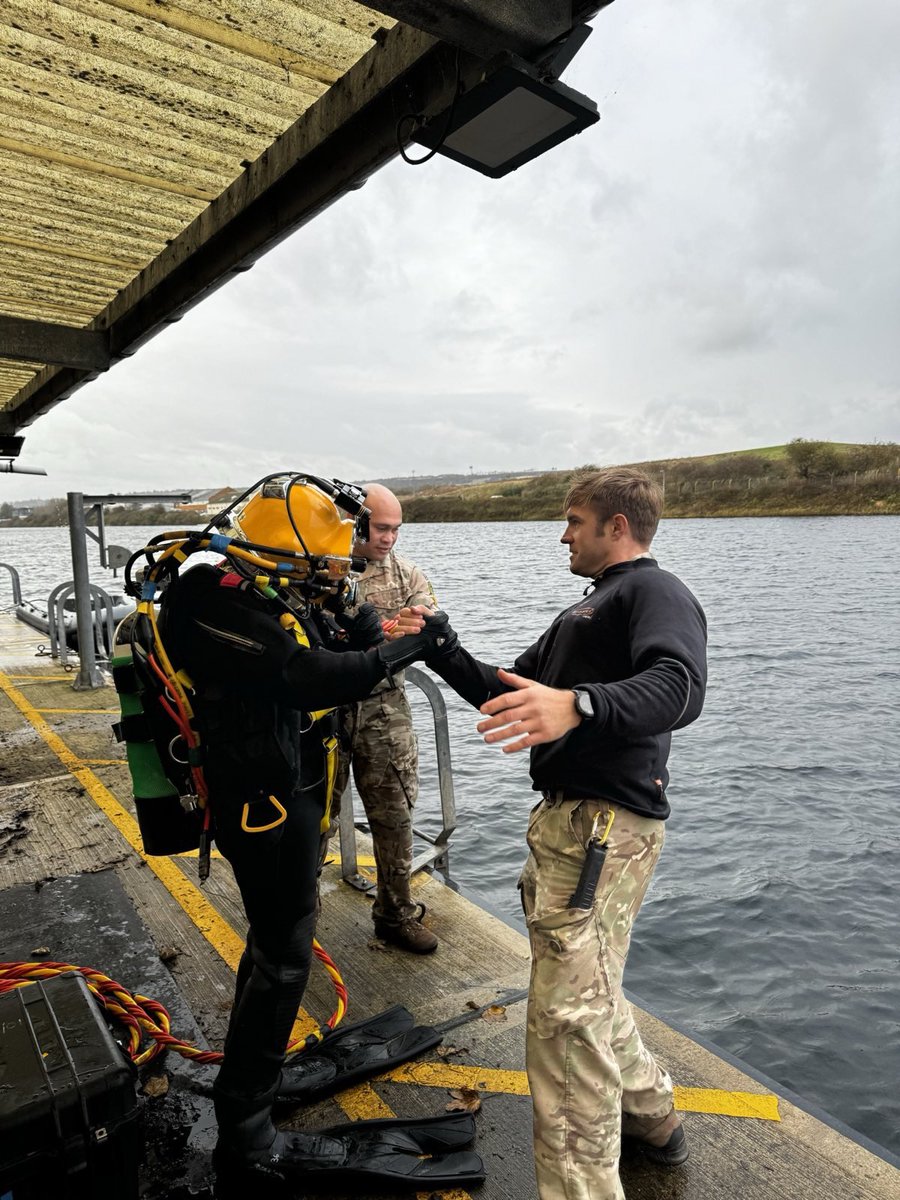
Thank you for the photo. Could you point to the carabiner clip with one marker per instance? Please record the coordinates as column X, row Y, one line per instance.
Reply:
column 279, row 808
column 601, row 841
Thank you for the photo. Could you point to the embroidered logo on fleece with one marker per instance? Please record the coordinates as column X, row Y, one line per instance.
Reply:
column 584, row 611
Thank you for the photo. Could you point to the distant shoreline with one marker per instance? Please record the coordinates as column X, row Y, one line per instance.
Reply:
column 890, row 508
column 800, row 479
column 449, row 509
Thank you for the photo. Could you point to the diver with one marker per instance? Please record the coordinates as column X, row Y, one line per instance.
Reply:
column 264, row 649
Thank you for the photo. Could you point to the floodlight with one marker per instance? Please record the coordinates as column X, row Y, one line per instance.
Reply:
column 510, row 117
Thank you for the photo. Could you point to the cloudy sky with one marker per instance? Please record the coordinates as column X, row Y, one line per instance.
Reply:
column 714, row 266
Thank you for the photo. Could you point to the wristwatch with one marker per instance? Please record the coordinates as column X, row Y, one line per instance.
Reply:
column 584, row 703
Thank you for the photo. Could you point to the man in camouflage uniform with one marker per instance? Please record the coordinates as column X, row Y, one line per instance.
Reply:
column 597, row 698
column 377, row 737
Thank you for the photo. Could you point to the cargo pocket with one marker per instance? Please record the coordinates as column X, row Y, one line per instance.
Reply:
column 403, row 770
column 569, row 983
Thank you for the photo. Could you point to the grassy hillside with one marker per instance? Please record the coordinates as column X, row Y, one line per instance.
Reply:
column 802, row 478
column 798, row 479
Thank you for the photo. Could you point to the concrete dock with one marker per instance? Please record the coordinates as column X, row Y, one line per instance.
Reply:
column 70, row 853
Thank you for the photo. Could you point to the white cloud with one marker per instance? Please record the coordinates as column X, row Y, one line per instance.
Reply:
column 714, row 266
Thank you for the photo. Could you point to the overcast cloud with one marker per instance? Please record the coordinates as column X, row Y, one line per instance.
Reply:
column 715, row 266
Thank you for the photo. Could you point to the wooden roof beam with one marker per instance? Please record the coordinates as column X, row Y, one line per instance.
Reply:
column 488, row 27
column 62, row 345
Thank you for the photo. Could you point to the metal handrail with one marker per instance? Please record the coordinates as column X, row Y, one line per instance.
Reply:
column 102, row 620
column 16, row 582
column 437, row 856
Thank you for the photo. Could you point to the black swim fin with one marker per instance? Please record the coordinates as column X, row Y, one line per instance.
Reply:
column 354, row 1053
column 424, row 1155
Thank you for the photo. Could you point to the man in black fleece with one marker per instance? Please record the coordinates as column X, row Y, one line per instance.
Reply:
column 595, row 699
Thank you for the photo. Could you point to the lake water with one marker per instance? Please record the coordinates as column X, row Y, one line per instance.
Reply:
column 772, row 924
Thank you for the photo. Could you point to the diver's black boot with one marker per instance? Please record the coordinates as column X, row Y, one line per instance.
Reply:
column 422, row 1155
column 246, row 1147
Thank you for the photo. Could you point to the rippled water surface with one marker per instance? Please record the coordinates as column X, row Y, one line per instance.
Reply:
column 772, row 924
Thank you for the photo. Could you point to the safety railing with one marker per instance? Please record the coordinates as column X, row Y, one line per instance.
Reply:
column 16, row 582
column 436, row 856
column 102, row 622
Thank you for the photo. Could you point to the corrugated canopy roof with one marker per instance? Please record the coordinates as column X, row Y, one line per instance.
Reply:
column 149, row 150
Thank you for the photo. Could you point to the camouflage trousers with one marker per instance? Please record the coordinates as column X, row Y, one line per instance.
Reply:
column 584, row 1055
column 377, row 740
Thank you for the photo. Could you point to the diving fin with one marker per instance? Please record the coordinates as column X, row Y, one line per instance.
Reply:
column 424, row 1155
column 351, row 1054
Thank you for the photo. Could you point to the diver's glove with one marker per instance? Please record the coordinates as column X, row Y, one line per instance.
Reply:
column 437, row 640
column 363, row 628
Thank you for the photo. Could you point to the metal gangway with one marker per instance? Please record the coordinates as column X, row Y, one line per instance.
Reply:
column 436, row 857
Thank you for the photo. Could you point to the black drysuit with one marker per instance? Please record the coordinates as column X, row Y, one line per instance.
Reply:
column 255, row 687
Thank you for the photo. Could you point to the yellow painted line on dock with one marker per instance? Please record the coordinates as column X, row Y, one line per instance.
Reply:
column 362, row 860
column 362, row 1103
column 456, row 1075
column 24, row 680
column 104, row 762
column 727, row 1104
column 515, row 1083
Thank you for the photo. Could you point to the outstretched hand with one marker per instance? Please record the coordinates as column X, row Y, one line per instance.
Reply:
column 529, row 715
column 407, row 621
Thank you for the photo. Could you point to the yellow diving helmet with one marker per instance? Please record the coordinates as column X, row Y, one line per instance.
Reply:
column 309, row 524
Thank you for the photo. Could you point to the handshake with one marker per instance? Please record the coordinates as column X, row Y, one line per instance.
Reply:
column 426, row 637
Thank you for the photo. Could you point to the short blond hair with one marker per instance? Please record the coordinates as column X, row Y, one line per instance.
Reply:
column 623, row 490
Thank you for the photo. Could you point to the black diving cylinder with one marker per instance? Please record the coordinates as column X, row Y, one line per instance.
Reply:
column 166, row 825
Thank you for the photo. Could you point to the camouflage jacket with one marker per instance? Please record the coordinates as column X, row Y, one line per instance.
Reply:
column 392, row 584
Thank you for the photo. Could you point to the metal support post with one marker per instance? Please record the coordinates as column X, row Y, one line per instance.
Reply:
column 101, row 535
column 349, row 861
column 89, row 675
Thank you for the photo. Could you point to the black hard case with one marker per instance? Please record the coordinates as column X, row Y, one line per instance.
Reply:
column 68, row 1102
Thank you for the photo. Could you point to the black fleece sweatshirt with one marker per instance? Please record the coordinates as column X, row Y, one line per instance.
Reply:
column 637, row 643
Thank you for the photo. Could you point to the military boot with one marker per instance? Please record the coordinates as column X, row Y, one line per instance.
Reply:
column 661, row 1139
column 407, row 932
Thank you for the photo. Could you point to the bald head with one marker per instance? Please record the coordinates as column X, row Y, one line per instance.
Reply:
column 384, row 523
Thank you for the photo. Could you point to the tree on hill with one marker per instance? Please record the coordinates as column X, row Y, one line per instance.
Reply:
column 727, row 466
column 803, row 454
column 811, row 458
column 874, row 457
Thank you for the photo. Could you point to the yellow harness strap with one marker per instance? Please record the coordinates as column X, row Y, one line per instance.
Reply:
column 329, row 743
